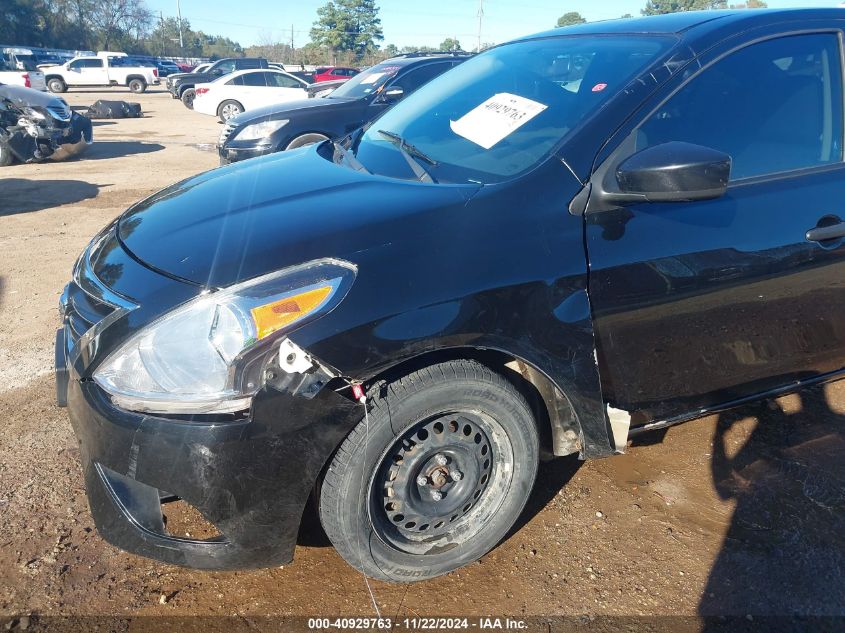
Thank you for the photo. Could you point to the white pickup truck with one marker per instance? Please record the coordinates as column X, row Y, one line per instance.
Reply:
column 20, row 72
column 100, row 70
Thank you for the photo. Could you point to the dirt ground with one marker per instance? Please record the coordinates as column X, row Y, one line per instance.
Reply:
column 740, row 514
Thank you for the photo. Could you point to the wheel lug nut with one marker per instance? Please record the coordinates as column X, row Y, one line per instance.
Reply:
column 441, row 459
column 422, row 481
column 456, row 475
column 436, row 495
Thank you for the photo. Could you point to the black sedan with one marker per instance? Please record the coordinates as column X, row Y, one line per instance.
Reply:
column 559, row 245
column 297, row 124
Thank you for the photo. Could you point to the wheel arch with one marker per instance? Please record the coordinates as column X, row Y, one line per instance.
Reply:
column 557, row 420
column 131, row 78
column 294, row 137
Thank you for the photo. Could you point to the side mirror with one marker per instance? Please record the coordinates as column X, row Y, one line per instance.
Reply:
column 392, row 95
column 672, row 172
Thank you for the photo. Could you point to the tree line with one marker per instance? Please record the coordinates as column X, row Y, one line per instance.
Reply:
column 122, row 25
column 345, row 31
column 660, row 7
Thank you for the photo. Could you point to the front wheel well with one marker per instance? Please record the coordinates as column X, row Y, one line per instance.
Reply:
column 557, row 422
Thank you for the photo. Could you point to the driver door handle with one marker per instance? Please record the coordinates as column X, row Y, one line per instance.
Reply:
column 824, row 233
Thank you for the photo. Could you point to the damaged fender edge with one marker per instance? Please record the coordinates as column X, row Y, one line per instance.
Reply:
column 293, row 370
column 620, row 425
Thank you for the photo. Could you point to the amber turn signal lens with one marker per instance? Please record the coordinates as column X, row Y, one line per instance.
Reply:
column 274, row 316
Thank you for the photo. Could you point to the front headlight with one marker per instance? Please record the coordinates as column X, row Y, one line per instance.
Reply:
column 206, row 356
column 260, row 130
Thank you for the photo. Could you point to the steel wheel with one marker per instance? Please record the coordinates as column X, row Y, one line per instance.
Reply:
column 438, row 479
column 435, row 476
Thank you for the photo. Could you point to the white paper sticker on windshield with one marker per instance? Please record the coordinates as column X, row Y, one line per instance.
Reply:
column 496, row 118
column 371, row 79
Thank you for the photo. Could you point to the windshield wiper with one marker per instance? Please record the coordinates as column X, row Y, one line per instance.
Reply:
column 408, row 152
column 348, row 157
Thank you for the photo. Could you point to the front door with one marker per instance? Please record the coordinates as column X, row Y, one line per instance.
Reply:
column 699, row 304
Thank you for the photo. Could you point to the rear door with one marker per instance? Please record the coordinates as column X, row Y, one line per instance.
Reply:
column 252, row 86
column 699, row 304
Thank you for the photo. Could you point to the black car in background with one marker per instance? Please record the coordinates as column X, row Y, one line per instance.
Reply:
column 565, row 242
column 348, row 107
column 182, row 85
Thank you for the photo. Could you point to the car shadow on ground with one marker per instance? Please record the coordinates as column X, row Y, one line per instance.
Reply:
column 21, row 195
column 784, row 551
column 115, row 149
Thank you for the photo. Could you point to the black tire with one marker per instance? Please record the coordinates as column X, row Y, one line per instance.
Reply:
column 378, row 500
column 228, row 109
column 187, row 97
column 137, row 85
column 6, row 156
column 55, row 84
column 311, row 138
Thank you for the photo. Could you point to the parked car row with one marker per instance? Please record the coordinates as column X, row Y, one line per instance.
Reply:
column 352, row 104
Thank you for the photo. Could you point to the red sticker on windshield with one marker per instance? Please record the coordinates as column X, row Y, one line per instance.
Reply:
column 599, row 87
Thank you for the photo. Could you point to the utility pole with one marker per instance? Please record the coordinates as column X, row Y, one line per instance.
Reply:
column 179, row 14
column 292, row 49
column 163, row 38
column 480, row 19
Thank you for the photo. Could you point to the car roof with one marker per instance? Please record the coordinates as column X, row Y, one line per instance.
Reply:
column 693, row 23
column 408, row 59
column 247, row 71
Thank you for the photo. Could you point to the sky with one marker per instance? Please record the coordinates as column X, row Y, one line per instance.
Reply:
column 405, row 23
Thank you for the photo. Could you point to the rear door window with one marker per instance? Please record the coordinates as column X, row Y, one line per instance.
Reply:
column 282, row 81
column 775, row 106
column 255, row 79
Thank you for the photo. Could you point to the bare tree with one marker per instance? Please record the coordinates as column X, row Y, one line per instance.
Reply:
column 112, row 18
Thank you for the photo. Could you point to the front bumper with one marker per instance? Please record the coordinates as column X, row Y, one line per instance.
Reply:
column 234, row 154
column 249, row 478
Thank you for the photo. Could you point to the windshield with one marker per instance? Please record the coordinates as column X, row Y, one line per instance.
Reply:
column 367, row 82
column 500, row 113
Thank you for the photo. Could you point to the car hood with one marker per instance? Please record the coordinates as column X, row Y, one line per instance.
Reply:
column 195, row 78
column 252, row 218
column 28, row 97
column 284, row 110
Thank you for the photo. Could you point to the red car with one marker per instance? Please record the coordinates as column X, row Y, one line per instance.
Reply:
column 334, row 73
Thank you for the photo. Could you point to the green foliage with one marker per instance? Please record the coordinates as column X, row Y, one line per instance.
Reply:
column 571, row 18
column 20, row 22
column 348, row 26
column 450, row 44
column 751, row 4
column 659, row 7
